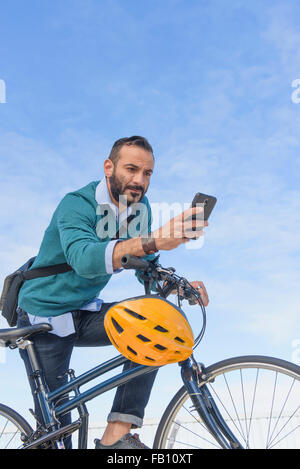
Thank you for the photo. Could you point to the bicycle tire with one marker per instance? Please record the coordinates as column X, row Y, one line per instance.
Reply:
column 13, row 428
column 283, row 372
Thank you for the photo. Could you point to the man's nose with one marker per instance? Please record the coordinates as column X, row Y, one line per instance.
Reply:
column 138, row 179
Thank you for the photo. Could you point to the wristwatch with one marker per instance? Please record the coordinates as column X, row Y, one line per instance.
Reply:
column 149, row 245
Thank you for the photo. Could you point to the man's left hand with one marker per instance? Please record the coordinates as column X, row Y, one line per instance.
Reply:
column 202, row 290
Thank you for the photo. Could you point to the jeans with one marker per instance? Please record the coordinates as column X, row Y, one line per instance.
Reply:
column 54, row 354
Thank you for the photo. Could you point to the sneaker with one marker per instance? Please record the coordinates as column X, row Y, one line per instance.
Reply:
column 128, row 441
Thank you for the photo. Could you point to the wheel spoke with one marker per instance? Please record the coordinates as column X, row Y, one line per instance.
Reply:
column 240, row 430
column 286, row 423
column 244, row 407
column 271, row 410
column 196, row 434
column 12, row 427
column 194, row 418
column 3, row 430
column 200, row 423
column 281, row 412
column 12, row 437
column 298, row 426
column 257, row 398
column 184, row 444
column 253, row 401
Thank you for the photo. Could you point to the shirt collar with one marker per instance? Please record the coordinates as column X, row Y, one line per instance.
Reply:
column 102, row 197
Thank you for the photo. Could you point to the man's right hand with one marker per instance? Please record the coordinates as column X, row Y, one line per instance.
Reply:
column 179, row 229
column 168, row 237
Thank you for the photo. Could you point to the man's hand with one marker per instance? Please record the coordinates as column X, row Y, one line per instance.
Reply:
column 175, row 232
column 202, row 290
column 179, row 229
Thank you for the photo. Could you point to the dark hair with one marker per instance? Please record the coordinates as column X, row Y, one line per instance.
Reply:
column 135, row 140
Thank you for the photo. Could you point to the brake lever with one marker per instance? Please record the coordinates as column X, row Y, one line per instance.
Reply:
column 163, row 270
column 191, row 295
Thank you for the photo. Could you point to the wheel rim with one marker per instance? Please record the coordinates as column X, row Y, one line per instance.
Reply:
column 10, row 433
column 259, row 402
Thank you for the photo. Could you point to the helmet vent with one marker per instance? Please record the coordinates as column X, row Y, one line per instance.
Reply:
column 150, row 359
column 161, row 329
column 160, row 347
column 179, row 340
column 131, row 350
column 134, row 314
column 117, row 326
column 143, row 338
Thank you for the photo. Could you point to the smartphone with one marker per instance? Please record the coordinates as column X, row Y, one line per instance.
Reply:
column 207, row 202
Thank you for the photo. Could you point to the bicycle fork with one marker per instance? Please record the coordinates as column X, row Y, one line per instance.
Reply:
column 206, row 406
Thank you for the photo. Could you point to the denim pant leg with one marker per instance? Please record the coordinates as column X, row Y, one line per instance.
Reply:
column 53, row 354
column 131, row 398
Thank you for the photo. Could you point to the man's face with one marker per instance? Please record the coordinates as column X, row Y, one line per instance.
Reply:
column 131, row 176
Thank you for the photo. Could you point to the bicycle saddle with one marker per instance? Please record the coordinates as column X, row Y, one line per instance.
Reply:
column 9, row 336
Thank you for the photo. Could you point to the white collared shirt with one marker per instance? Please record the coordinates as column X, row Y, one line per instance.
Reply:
column 63, row 325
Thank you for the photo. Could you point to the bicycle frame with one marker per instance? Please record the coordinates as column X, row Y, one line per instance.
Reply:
column 191, row 376
column 51, row 411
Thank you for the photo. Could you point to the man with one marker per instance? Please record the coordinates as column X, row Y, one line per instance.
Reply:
column 80, row 234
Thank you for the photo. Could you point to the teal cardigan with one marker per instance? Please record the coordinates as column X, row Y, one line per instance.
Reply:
column 73, row 236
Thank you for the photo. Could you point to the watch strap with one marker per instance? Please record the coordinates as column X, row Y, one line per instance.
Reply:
column 149, row 245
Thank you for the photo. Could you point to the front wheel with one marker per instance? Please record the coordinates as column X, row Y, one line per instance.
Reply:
column 258, row 397
column 13, row 428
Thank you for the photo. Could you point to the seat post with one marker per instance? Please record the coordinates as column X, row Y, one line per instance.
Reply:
column 41, row 387
column 27, row 345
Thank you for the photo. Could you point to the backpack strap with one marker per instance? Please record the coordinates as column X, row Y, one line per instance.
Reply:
column 59, row 268
column 46, row 271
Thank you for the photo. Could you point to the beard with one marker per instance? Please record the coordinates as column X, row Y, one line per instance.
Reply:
column 118, row 189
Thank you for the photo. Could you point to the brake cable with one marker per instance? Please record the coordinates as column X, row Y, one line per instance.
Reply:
column 181, row 282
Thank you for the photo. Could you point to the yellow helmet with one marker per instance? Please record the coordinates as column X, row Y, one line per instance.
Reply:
column 149, row 330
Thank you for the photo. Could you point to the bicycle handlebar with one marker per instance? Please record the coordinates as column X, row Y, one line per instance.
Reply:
column 185, row 290
column 158, row 272
column 133, row 262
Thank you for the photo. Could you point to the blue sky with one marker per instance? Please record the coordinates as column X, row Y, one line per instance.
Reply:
column 209, row 83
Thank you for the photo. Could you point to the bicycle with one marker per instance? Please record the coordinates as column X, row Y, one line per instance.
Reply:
column 217, row 406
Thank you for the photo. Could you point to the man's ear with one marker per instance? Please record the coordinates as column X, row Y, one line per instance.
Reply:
column 108, row 167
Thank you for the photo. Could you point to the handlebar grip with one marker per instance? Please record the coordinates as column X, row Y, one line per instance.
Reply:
column 133, row 262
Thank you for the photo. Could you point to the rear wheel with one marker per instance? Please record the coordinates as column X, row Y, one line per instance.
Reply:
column 13, row 428
column 258, row 397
